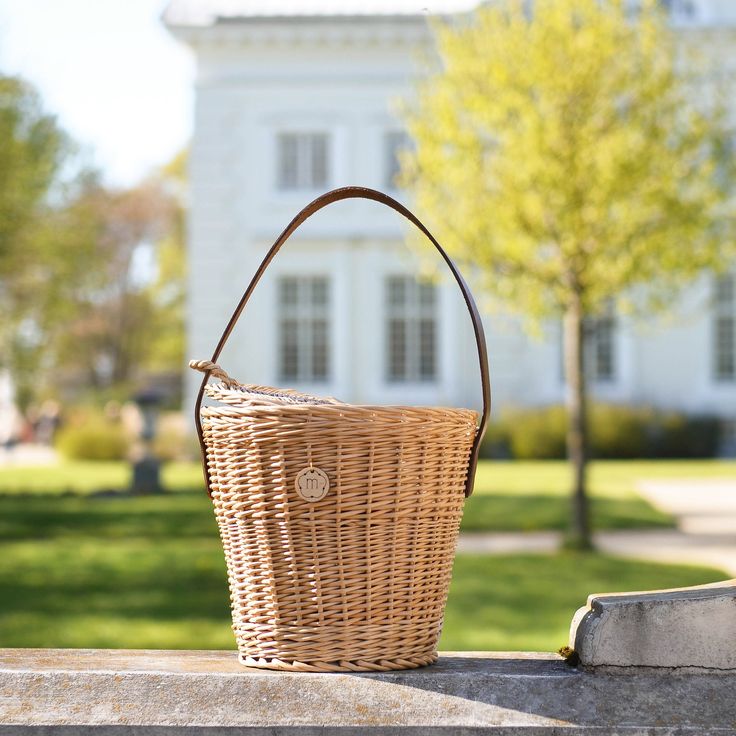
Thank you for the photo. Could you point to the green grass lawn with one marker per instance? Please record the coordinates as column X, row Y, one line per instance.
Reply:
column 82, row 477
column 525, row 602
column 531, row 496
column 508, row 496
column 80, row 571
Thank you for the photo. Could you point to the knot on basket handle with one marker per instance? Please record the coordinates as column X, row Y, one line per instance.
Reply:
column 207, row 366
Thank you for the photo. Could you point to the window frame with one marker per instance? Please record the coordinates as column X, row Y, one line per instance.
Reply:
column 311, row 321
column 723, row 312
column 591, row 349
column 413, row 317
column 603, row 325
column 304, row 160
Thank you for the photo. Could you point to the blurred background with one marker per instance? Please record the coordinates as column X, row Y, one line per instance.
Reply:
column 576, row 158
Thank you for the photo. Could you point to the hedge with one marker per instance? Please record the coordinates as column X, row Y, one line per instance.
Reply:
column 616, row 432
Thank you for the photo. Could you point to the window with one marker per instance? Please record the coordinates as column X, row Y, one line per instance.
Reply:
column 679, row 9
column 304, row 329
column 302, row 161
column 724, row 328
column 600, row 337
column 411, row 330
column 395, row 141
column 600, row 347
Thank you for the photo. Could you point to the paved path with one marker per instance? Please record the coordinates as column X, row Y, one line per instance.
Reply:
column 705, row 511
column 27, row 454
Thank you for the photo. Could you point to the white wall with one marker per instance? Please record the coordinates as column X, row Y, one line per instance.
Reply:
column 347, row 78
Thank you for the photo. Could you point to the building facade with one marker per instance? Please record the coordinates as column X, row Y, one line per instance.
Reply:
column 295, row 98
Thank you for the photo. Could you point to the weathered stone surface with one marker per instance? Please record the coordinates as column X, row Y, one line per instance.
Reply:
column 157, row 693
column 682, row 628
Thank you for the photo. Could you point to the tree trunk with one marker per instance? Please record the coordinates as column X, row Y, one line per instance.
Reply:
column 577, row 434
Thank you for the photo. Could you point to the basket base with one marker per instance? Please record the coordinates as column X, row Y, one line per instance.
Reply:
column 383, row 665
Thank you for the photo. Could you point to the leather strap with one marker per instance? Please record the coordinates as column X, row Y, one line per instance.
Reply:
column 362, row 193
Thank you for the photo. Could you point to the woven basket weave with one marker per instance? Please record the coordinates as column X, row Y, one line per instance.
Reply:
column 339, row 523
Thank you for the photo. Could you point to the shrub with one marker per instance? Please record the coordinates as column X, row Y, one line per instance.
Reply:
column 679, row 436
column 93, row 438
column 616, row 432
column 537, row 434
column 632, row 432
column 620, row 432
column 496, row 441
column 175, row 439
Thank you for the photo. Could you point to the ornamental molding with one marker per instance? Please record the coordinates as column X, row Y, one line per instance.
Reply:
column 392, row 32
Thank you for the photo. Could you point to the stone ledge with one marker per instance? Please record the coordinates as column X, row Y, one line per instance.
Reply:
column 691, row 629
column 166, row 693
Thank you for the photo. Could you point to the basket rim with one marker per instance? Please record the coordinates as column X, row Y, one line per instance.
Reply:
column 337, row 409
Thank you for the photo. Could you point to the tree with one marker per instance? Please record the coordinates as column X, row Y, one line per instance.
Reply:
column 33, row 153
column 129, row 302
column 563, row 154
column 168, row 290
column 91, row 277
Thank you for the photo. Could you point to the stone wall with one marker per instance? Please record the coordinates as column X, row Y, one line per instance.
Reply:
column 642, row 663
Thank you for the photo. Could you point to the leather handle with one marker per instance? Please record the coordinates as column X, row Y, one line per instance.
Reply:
column 315, row 206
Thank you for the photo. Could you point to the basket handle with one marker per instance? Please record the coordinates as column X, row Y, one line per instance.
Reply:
column 361, row 193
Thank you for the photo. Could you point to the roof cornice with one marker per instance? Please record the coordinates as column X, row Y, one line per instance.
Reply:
column 307, row 31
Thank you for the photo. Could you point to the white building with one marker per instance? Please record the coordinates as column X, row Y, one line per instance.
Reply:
column 295, row 97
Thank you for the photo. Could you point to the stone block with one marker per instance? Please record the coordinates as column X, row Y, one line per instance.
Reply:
column 680, row 629
column 67, row 692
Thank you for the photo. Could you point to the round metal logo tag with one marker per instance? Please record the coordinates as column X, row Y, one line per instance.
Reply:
column 312, row 484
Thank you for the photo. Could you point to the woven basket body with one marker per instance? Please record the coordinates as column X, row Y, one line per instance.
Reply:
column 359, row 579
column 339, row 522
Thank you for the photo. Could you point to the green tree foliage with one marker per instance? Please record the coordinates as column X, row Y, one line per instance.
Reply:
column 168, row 291
column 565, row 150
column 33, row 152
column 91, row 277
column 129, row 305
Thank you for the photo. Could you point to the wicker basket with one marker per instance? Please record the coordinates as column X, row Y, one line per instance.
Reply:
column 339, row 522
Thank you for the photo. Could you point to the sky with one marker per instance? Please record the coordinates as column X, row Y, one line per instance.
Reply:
column 120, row 85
